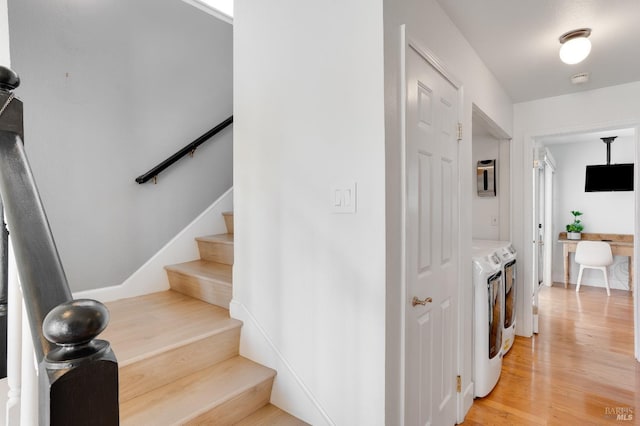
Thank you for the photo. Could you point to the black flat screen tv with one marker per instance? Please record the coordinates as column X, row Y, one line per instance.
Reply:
column 609, row 177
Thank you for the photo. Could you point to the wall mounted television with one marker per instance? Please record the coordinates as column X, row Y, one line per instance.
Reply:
column 609, row 177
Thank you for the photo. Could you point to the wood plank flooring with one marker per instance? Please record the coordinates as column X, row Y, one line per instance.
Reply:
column 579, row 370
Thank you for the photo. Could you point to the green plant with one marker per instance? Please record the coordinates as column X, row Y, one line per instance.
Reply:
column 576, row 226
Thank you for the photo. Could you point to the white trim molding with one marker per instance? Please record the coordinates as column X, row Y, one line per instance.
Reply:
column 210, row 10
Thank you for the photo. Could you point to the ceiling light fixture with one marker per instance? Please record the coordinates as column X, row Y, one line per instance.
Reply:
column 575, row 46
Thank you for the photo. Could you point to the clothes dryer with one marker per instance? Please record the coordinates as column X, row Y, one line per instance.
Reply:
column 488, row 320
column 508, row 257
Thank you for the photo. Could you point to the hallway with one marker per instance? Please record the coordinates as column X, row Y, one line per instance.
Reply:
column 578, row 370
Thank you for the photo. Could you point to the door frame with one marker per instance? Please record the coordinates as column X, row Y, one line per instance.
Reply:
column 542, row 179
column 550, row 171
column 536, row 171
column 408, row 42
column 526, row 319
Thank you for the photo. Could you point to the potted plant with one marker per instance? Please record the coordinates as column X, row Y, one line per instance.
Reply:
column 574, row 229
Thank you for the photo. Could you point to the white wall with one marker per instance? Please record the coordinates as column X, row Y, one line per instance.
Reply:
column 4, row 34
column 491, row 215
column 604, row 212
column 110, row 89
column 313, row 115
column 430, row 26
column 309, row 108
column 601, row 109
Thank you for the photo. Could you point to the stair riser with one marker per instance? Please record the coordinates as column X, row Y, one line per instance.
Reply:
column 216, row 252
column 166, row 367
column 236, row 408
column 209, row 291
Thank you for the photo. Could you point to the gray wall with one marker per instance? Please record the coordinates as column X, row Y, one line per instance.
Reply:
column 110, row 89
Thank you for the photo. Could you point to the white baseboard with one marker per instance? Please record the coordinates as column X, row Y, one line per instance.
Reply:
column 289, row 391
column 151, row 276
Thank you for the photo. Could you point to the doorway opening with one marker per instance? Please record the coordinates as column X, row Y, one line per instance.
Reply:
column 558, row 183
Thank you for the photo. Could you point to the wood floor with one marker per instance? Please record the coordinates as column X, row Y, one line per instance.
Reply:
column 579, row 370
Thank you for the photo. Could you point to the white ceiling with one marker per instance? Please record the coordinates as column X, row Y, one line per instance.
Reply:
column 518, row 41
column 586, row 137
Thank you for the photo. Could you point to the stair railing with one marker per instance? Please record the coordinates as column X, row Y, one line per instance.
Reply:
column 77, row 373
column 190, row 149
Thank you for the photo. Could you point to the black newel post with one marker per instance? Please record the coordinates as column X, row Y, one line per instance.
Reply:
column 82, row 371
column 78, row 374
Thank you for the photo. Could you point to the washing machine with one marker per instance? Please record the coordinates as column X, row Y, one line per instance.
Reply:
column 508, row 256
column 488, row 296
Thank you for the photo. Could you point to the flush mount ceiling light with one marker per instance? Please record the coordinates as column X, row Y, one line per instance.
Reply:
column 575, row 46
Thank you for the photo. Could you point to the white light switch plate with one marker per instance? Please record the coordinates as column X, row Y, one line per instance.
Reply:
column 343, row 197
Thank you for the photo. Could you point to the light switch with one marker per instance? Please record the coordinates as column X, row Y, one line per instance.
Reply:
column 343, row 197
column 347, row 197
column 494, row 220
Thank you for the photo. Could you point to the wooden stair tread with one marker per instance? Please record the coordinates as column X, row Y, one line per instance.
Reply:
column 188, row 398
column 145, row 325
column 204, row 269
column 270, row 415
column 218, row 238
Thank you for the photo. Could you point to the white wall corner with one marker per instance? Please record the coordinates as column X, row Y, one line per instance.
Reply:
column 289, row 390
column 151, row 276
column 5, row 59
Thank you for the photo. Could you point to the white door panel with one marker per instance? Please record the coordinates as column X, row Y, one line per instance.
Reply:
column 431, row 236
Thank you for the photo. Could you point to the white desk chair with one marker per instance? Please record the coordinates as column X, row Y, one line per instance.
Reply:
column 594, row 255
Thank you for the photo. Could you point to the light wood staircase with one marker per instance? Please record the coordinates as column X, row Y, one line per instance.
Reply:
column 178, row 350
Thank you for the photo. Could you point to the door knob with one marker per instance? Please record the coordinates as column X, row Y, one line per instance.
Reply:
column 417, row 301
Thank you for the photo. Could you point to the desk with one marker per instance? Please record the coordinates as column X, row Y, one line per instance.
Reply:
column 621, row 245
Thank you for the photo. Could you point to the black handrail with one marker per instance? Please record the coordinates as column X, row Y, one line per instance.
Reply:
column 188, row 149
column 78, row 374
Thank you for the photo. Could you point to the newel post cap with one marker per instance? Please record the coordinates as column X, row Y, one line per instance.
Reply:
column 75, row 322
column 9, row 79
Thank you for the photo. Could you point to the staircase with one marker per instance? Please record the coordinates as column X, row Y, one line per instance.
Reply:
column 178, row 350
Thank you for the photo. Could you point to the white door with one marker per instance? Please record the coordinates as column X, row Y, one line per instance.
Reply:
column 431, row 235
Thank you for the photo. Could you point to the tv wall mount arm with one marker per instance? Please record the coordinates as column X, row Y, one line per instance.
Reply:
column 608, row 141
